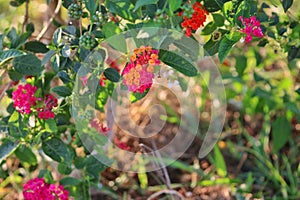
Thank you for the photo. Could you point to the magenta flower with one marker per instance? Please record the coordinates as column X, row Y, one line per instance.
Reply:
column 38, row 189
column 251, row 28
column 46, row 112
column 24, row 98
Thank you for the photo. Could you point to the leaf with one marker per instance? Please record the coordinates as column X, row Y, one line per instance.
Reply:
column 56, row 149
column 220, row 162
column 101, row 98
column 28, row 65
column 174, row 4
column 281, row 131
column 212, row 47
column 69, row 181
column 50, row 125
column 227, row 10
column 64, row 77
column 9, row 54
column 110, row 29
column 218, row 19
column 1, row 42
column 286, row 4
column 6, row 148
column 62, row 91
column 25, row 155
column 91, row 5
column 243, row 10
column 134, row 97
column 209, row 28
column 112, row 74
column 15, row 76
column 57, row 36
column 224, row 48
column 141, row 3
column 36, row 47
column 123, row 8
column 177, row 62
column 64, row 168
column 47, row 57
column 47, row 175
column 240, row 65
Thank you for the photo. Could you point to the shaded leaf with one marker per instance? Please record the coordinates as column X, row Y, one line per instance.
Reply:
column 141, row 3
column 28, row 65
column 56, row 149
column 25, row 155
column 286, row 4
column 224, row 48
column 177, row 62
column 36, row 47
column 6, row 148
column 112, row 74
column 281, row 131
column 9, row 54
column 62, row 91
column 174, row 4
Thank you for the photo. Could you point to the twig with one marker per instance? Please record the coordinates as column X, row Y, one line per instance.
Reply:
column 171, row 192
column 56, row 11
column 5, row 89
column 168, row 182
column 26, row 16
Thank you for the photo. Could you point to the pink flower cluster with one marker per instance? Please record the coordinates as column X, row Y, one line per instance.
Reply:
column 25, row 101
column 38, row 189
column 139, row 72
column 24, row 98
column 251, row 28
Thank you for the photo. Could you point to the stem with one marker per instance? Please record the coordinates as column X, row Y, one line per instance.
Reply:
column 26, row 16
column 44, row 30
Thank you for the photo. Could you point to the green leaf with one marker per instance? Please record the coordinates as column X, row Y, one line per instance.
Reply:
column 212, row 47
column 15, row 76
column 64, row 168
column 177, row 62
column 243, row 10
column 118, row 42
column 66, row 181
column 209, row 28
column 50, row 126
column 281, row 132
column 64, row 76
column 101, row 98
column 93, row 168
column 112, row 74
column 6, row 148
column 141, row 3
column 286, row 4
column 1, row 42
column 36, row 47
column 134, row 97
column 25, row 155
column 227, row 10
column 62, row 91
column 174, row 4
column 218, row 19
column 220, row 162
column 47, row 57
column 91, row 5
column 57, row 36
column 56, row 149
column 123, row 8
column 28, row 65
column 224, row 48
column 47, row 175
column 111, row 29
column 240, row 65
column 9, row 54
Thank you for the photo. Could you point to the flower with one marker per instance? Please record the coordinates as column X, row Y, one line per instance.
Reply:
column 38, row 189
column 251, row 28
column 139, row 72
column 196, row 20
column 24, row 98
column 46, row 112
column 122, row 145
column 95, row 123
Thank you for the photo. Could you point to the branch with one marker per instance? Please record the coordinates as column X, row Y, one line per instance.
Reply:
column 56, row 11
column 26, row 16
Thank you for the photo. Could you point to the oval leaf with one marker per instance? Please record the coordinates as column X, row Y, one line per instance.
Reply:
column 62, row 91
column 55, row 149
column 28, row 65
column 141, row 3
column 36, row 47
column 112, row 74
column 177, row 62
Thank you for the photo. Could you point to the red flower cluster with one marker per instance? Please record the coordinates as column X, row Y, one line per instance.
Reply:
column 122, row 145
column 139, row 72
column 251, row 28
column 25, row 101
column 24, row 98
column 95, row 123
column 38, row 189
column 197, row 20
column 46, row 112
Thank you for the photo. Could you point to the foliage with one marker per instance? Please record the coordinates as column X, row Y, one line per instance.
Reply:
column 262, row 82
